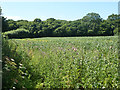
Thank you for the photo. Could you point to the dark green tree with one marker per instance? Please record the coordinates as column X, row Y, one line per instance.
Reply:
column 12, row 25
column 113, row 22
column 5, row 25
column 37, row 20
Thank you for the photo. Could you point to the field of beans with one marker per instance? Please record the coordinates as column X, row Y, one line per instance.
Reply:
column 66, row 62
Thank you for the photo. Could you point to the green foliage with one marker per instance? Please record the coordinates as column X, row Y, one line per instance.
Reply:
column 116, row 31
column 4, row 25
column 90, row 25
column 19, row 33
column 92, row 17
column 22, row 24
column 12, row 25
column 37, row 20
column 113, row 20
column 72, row 62
column 15, row 75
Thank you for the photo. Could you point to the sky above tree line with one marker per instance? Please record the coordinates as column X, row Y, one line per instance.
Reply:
column 58, row 10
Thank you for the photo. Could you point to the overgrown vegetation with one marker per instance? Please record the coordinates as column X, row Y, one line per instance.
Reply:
column 15, row 74
column 71, row 62
column 90, row 25
column 19, row 33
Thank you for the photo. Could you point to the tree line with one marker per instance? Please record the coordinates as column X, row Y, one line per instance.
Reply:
column 90, row 25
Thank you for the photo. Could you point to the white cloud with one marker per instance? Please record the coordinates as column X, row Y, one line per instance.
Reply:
column 59, row 0
column 13, row 17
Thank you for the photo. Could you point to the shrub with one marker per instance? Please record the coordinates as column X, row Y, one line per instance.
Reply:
column 19, row 33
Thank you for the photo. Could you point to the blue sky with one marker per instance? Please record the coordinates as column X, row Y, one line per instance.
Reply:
column 58, row 10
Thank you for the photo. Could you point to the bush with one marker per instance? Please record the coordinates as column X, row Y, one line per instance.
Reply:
column 19, row 33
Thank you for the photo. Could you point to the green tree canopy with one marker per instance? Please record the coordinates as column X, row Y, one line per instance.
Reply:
column 92, row 17
column 37, row 20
